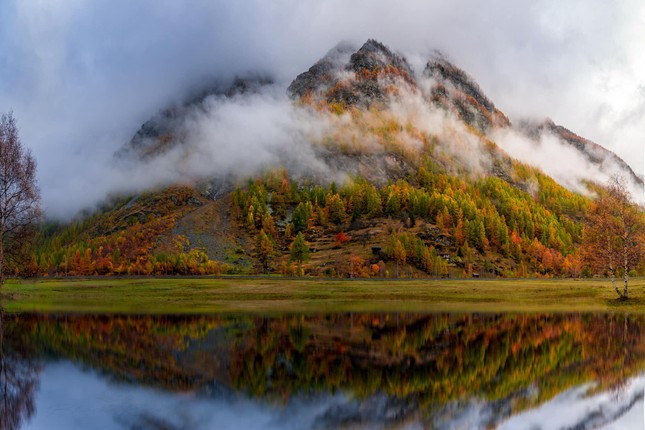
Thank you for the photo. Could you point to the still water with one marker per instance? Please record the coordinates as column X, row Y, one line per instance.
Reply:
column 387, row 370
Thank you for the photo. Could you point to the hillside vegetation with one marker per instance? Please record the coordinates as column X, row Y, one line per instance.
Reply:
column 412, row 185
column 428, row 224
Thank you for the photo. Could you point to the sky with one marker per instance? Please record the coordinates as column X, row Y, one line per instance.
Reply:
column 81, row 76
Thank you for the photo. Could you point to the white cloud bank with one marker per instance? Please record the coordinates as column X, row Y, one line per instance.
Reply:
column 82, row 76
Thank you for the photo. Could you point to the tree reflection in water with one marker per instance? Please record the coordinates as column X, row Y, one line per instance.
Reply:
column 399, row 368
column 18, row 376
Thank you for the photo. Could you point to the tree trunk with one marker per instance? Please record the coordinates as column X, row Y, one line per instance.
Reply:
column 612, row 270
column 626, row 269
column 625, row 296
column 613, row 282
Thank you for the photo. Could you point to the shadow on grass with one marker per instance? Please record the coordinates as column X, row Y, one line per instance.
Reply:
column 621, row 302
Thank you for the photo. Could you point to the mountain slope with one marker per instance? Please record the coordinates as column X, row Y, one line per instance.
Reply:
column 385, row 172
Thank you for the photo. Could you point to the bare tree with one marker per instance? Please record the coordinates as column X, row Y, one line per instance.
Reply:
column 614, row 234
column 19, row 195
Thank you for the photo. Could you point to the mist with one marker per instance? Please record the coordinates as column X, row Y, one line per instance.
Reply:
column 231, row 138
column 82, row 76
column 562, row 162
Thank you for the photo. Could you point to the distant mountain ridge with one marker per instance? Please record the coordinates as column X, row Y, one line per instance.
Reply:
column 592, row 151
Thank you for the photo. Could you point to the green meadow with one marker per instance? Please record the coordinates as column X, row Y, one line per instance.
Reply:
column 279, row 295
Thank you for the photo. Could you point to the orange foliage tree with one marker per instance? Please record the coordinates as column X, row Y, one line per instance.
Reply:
column 614, row 235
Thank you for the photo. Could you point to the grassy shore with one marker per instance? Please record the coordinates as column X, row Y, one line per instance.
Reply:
column 275, row 295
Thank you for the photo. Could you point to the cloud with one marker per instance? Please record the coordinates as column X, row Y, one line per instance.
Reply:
column 237, row 136
column 561, row 161
column 82, row 76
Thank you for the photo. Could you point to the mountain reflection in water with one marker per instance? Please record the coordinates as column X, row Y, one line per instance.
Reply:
column 322, row 371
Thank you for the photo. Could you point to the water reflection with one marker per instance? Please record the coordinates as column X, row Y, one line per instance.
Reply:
column 330, row 371
column 18, row 376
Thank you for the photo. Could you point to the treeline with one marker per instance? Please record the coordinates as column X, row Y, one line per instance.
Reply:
column 537, row 223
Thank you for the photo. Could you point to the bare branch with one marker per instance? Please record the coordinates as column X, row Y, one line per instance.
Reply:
column 19, row 194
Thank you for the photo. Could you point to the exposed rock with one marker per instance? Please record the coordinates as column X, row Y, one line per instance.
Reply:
column 323, row 74
column 371, row 411
column 455, row 89
column 437, row 238
column 372, row 59
column 365, row 78
column 374, row 55
column 377, row 168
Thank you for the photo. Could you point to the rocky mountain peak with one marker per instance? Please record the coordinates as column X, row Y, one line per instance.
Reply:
column 443, row 71
column 374, row 67
column 368, row 78
column 373, row 55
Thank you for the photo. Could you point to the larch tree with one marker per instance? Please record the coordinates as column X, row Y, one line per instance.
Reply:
column 299, row 250
column 264, row 250
column 396, row 250
column 19, row 196
column 614, row 235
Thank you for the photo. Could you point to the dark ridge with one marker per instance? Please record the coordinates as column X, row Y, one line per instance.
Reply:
column 374, row 65
column 163, row 130
column 456, row 90
column 322, row 73
column 440, row 68
column 373, row 55
column 594, row 152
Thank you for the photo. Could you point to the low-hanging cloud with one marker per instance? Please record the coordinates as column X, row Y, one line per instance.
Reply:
column 562, row 161
column 225, row 138
column 82, row 76
column 239, row 136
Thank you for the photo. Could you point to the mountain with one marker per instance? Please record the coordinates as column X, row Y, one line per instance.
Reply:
column 372, row 77
column 384, row 171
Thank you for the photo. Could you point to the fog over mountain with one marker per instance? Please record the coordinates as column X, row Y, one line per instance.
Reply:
column 82, row 76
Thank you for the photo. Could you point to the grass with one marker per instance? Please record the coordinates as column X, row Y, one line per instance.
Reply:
column 276, row 295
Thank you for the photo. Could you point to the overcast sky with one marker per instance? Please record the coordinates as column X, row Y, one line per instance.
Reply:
column 82, row 75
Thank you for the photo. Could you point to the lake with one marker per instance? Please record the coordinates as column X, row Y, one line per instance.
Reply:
column 322, row 371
